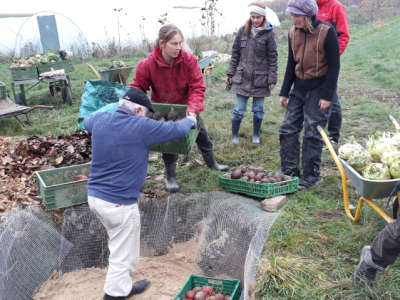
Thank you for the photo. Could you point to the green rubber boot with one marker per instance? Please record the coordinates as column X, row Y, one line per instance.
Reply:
column 170, row 172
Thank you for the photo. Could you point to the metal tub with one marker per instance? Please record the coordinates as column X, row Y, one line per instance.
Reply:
column 369, row 189
column 113, row 74
column 208, row 56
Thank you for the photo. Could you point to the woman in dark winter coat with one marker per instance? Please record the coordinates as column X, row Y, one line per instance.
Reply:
column 313, row 67
column 253, row 69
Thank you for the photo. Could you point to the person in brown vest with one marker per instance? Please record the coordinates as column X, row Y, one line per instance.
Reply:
column 313, row 67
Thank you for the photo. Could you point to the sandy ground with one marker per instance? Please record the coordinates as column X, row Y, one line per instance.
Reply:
column 167, row 274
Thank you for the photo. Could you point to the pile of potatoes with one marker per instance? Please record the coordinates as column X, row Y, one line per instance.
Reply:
column 257, row 175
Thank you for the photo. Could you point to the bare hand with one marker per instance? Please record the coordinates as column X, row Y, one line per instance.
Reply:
column 324, row 104
column 283, row 101
column 271, row 87
column 192, row 114
column 228, row 80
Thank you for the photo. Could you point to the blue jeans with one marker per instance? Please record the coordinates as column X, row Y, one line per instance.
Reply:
column 303, row 107
column 335, row 120
column 240, row 108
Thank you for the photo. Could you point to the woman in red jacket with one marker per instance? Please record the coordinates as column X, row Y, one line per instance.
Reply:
column 175, row 78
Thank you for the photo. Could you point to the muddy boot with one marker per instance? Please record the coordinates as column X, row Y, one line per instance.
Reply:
column 209, row 158
column 366, row 269
column 139, row 287
column 170, row 174
column 235, row 133
column 256, row 133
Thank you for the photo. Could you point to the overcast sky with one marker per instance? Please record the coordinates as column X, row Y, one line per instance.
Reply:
column 96, row 17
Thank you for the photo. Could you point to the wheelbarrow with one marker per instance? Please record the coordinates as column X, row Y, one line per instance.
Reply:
column 205, row 62
column 9, row 109
column 368, row 189
column 119, row 75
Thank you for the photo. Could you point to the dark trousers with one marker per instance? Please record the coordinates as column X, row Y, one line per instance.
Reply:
column 386, row 246
column 303, row 107
column 335, row 120
column 203, row 142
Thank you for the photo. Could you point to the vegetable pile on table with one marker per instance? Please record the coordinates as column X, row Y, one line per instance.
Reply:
column 257, row 175
column 379, row 161
column 205, row 293
column 34, row 59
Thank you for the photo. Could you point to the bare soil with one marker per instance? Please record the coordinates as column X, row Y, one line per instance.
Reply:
column 167, row 274
column 329, row 214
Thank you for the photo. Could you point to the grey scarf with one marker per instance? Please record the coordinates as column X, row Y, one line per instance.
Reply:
column 255, row 30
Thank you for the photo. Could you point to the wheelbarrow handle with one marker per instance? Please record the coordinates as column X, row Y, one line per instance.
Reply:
column 94, row 71
column 39, row 106
column 396, row 125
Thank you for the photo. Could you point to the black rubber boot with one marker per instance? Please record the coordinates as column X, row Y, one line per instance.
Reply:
column 235, row 133
column 256, row 133
column 170, row 172
column 209, row 158
column 108, row 297
column 139, row 287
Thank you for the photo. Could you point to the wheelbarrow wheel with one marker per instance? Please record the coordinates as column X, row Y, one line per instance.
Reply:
column 21, row 99
column 396, row 208
column 68, row 96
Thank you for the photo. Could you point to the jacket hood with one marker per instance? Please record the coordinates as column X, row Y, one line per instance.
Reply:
column 270, row 26
column 323, row 2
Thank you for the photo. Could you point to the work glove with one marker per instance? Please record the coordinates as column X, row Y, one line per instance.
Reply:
column 194, row 121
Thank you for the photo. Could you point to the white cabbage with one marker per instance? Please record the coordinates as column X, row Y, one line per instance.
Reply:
column 377, row 171
column 346, row 149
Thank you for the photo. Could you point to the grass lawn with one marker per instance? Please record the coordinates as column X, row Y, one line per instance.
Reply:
column 306, row 256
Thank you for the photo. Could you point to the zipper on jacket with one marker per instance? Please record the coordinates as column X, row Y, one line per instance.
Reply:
column 304, row 51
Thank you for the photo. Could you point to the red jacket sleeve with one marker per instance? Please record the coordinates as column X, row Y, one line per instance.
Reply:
column 142, row 80
column 197, row 87
column 342, row 28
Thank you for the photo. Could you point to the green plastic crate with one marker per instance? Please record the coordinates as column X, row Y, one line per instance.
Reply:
column 179, row 146
column 57, row 188
column 227, row 286
column 2, row 90
column 24, row 73
column 67, row 65
column 262, row 190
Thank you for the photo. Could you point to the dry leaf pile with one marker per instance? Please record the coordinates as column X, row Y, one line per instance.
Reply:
column 19, row 163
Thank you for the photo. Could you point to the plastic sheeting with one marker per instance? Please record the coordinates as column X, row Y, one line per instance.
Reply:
column 100, row 96
column 70, row 37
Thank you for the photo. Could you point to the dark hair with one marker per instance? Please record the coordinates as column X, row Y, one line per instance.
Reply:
column 248, row 24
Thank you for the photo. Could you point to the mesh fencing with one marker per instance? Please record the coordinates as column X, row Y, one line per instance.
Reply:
column 230, row 233
column 31, row 250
